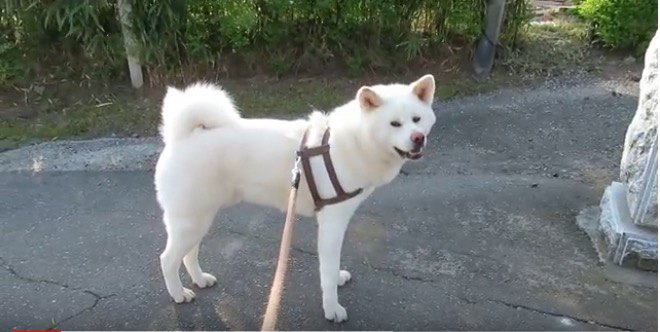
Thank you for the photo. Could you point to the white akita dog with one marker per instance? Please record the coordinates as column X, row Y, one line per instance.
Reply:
column 213, row 158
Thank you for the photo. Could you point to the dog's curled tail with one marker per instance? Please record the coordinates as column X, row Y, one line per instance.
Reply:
column 199, row 105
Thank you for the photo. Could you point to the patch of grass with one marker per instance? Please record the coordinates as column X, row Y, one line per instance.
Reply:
column 83, row 121
column 469, row 86
column 549, row 48
column 291, row 97
column 124, row 116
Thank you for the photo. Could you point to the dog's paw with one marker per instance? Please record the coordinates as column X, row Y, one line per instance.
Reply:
column 186, row 295
column 344, row 277
column 335, row 313
column 207, row 280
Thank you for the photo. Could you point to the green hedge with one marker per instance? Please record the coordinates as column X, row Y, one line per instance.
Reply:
column 278, row 36
column 622, row 24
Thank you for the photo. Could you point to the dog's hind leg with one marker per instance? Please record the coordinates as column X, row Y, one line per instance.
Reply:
column 199, row 277
column 183, row 236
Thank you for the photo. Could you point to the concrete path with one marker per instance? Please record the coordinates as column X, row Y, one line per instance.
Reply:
column 481, row 234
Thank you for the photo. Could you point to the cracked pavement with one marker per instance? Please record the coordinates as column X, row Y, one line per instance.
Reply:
column 481, row 234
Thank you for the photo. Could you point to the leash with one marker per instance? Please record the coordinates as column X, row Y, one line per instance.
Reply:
column 270, row 318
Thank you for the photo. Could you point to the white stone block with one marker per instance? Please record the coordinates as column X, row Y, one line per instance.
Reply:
column 639, row 163
column 625, row 243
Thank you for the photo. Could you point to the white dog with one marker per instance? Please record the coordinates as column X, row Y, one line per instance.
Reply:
column 213, row 159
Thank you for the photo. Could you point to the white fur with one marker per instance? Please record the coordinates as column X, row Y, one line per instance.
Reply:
column 213, row 159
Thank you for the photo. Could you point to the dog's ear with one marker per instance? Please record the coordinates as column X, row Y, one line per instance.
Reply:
column 424, row 88
column 368, row 98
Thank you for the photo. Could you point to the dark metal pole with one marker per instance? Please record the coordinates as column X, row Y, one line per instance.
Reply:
column 484, row 54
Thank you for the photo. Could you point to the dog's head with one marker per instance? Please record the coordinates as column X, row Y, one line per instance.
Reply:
column 398, row 117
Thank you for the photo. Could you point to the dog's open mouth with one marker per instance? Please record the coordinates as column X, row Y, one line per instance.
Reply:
column 413, row 154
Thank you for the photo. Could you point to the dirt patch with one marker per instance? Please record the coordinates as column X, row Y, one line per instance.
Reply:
column 54, row 109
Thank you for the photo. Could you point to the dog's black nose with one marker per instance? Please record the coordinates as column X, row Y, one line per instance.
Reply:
column 417, row 138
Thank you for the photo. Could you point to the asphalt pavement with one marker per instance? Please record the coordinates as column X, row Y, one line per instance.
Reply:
column 479, row 235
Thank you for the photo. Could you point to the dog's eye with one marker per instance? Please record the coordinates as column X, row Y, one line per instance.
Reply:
column 416, row 119
column 395, row 124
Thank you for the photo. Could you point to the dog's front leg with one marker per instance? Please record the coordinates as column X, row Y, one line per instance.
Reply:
column 333, row 221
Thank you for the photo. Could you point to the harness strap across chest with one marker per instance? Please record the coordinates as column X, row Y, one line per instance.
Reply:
column 324, row 150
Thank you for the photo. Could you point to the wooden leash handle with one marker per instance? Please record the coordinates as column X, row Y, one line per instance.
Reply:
column 272, row 309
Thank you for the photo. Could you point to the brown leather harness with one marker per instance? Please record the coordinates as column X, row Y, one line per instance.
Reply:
column 305, row 153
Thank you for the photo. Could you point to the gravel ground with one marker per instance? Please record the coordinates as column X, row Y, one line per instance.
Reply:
column 105, row 154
